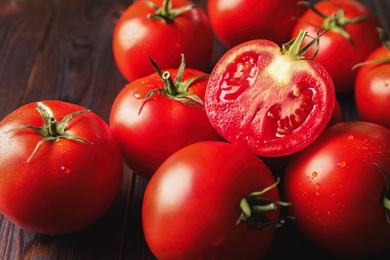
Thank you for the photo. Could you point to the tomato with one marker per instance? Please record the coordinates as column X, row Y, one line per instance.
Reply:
column 164, row 31
column 191, row 207
column 336, row 191
column 153, row 117
column 372, row 86
column 60, row 167
column 337, row 115
column 349, row 39
column 271, row 101
column 235, row 22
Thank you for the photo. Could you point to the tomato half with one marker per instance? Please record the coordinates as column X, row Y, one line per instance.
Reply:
column 235, row 22
column 191, row 207
column 336, row 191
column 150, row 128
column 350, row 37
column 372, row 86
column 269, row 100
column 165, row 35
column 59, row 176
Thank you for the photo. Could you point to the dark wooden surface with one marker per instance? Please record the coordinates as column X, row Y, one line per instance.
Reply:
column 53, row 49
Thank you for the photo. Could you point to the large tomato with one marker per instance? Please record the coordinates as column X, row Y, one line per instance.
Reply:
column 165, row 30
column 270, row 100
column 60, row 167
column 350, row 37
column 194, row 204
column 372, row 86
column 337, row 191
column 235, row 22
column 155, row 116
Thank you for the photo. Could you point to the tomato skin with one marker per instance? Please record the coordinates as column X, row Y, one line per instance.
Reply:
column 191, row 204
column 336, row 53
column 67, row 184
column 136, row 34
column 163, row 126
column 235, row 22
column 253, row 103
column 372, row 89
column 332, row 184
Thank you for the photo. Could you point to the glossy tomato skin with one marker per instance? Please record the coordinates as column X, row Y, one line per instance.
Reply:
column 372, row 89
column 191, row 204
column 235, row 22
column 336, row 53
column 336, row 191
column 67, row 184
column 268, row 102
column 149, row 136
column 135, row 33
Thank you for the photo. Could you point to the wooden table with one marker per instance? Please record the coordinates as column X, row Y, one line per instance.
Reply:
column 52, row 49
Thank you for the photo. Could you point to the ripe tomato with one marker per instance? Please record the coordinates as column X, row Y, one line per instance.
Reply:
column 372, row 86
column 235, row 22
column 164, row 31
column 62, row 172
column 336, row 191
column 191, row 205
column 272, row 101
column 349, row 39
column 153, row 117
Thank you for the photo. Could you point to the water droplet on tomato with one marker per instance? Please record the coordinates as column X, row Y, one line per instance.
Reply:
column 351, row 137
column 342, row 164
column 317, row 186
column 65, row 170
column 136, row 95
column 314, row 174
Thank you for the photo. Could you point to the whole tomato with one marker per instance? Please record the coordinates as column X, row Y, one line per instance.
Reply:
column 155, row 116
column 164, row 29
column 268, row 99
column 235, row 22
column 350, row 37
column 60, row 167
column 211, row 200
column 372, row 86
column 338, row 191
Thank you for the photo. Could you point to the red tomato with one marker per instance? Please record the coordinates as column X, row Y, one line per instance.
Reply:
column 191, row 205
column 338, row 54
column 336, row 191
column 235, row 22
column 372, row 86
column 337, row 115
column 272, row 101
column 136, row 32
column 59, row 176
column 148, row 132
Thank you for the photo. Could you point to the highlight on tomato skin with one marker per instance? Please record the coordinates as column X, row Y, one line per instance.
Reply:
column 272, row 103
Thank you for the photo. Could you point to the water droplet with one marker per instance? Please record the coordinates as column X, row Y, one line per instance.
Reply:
column 341, row 164
column 314, row 174
column 317, row 186
column 351, row 137
column 136, row 95
column 66, row 170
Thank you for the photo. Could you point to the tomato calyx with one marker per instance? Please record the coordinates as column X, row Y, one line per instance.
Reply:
column 294, row 47
column 178, row 89
column 386, row 195
column 337, row 21
column 166, row 13
column 385, row 39
column 52, row 130
column 254, row 209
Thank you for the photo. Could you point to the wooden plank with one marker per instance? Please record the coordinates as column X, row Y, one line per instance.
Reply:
column 62, row 50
